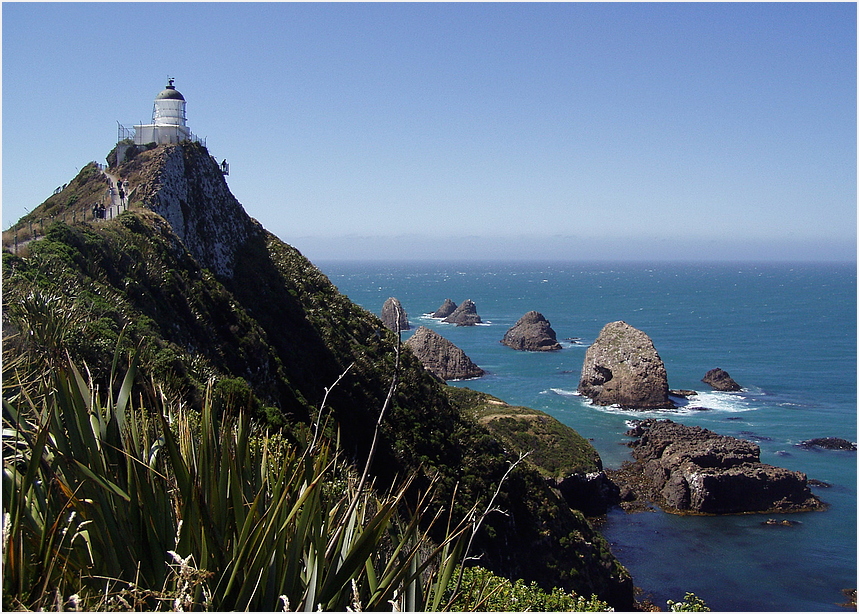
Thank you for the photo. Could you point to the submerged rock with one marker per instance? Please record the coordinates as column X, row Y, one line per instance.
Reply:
column 720, row 380
column 447, row 308
column 532, row 333
column 623, row 368
column 773, row 522
column 394, row 316
column 828, row 443
column 692, row 469
column 441, row 357
column 464, row 315
column 684, row 394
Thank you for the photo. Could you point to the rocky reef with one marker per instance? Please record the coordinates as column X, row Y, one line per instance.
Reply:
column 828, row 443
column 622, row 368
column 689, row 469
column 441, row 357
column 464, row 315
column 394, row 317
column 532, row 333
column 719, row 380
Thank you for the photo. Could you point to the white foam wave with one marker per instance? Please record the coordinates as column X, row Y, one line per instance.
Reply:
column 562, row 392
column 428, row 316
column 720, row 401
column 573, row 344
column 646, row 413
column 728, row 402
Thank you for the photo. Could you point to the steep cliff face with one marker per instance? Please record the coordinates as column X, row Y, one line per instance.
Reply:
column 184, row 185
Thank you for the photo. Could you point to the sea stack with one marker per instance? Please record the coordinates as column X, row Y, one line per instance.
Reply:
column 447, row 308
column 441, row 357
column 394, row 316
column 532, row 333
column 464, row 315
column 623, row 368
column 719, row 380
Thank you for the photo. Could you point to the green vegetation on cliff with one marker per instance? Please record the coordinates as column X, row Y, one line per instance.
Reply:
column 554, row 449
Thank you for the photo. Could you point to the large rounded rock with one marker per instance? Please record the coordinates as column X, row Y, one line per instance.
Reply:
column 719, row 380
column 464, row 315
column 441, row 357
column 447, row 308
column 532, row 333
column 623, row 368
column 394, row 316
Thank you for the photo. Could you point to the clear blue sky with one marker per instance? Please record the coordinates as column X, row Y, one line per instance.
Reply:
column 631, row 130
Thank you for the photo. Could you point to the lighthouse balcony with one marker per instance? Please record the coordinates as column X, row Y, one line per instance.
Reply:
column 164, row 135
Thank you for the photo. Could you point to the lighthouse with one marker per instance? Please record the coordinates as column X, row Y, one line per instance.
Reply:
column 168, row 120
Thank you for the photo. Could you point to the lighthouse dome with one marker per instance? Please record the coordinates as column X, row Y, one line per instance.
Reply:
column 169, row 93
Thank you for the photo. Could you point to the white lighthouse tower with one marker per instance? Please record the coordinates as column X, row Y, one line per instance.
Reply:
column 168, row 120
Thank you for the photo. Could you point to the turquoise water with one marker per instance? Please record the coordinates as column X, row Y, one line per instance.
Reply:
column 785, row 332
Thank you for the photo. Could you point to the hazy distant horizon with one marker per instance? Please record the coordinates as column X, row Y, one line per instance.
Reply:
column 565, row 248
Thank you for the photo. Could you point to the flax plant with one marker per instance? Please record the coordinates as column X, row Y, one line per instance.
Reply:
column 107, row 502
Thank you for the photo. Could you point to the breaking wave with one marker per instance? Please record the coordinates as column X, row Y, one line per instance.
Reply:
column 707, row 401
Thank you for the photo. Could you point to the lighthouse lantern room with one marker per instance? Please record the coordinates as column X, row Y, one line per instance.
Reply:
column 168, row 120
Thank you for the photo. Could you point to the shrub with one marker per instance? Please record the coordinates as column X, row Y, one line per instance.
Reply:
column 690, row 603
column 483, row 591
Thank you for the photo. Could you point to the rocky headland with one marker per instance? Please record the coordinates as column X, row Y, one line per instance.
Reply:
column 622, row 368
column 532, row 333
column 441, row 357
column 719, row 379
column 689, row 469
column 567, row 461
column 394, row 317
column 464, row 315
column 216, row 296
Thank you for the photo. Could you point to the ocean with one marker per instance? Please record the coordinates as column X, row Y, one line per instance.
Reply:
column 785, row 332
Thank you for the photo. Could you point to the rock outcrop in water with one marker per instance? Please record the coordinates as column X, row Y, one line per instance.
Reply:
column 464, row 315
column 532, row 333
column 689, row 469
column 447, row 308
column 623, row 368
column 719, row 380
column 828, row 443
column 394, row 317
column 441, row 357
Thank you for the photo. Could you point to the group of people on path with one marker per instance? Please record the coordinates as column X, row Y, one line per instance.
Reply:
column 117, row 194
